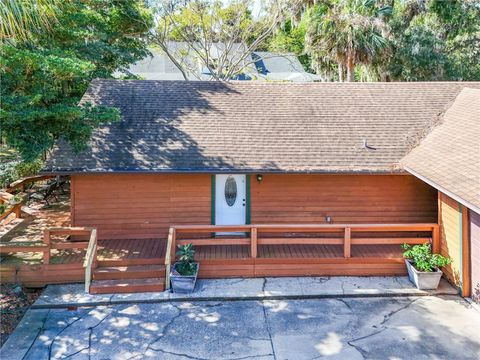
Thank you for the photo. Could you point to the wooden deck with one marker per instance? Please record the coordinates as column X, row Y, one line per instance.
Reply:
column 286, row 251
column 326, row 250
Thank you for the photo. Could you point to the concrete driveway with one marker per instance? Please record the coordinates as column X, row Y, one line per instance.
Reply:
column 350, row 328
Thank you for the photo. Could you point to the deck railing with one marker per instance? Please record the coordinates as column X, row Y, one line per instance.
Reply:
column 20, row 184
column 6, row 197
column 90, row 261
column 48, row 244
column 345, row 234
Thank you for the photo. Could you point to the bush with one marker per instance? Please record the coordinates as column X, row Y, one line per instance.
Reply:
column 423, row 259
column 13, row 168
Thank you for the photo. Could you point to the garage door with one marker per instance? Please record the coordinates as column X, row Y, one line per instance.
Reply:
column 475, row 254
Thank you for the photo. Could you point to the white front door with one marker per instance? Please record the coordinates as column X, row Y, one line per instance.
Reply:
column 230, row 199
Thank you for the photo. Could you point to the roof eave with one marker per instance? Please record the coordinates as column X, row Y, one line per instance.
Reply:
column 444, row 190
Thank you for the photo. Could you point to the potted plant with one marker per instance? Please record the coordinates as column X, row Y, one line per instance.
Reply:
column 423, row 266
column 183, row 275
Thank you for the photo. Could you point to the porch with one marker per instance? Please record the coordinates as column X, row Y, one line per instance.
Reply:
column 113, row 265
column 62, row 254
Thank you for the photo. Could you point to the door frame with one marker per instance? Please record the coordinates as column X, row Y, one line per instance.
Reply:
column 247, row 199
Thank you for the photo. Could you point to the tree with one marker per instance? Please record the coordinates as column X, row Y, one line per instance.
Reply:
column 219, row 36
column 21, row 19
column 348, row 32
column 439, row 40
column 290, row 38
column 44, row 77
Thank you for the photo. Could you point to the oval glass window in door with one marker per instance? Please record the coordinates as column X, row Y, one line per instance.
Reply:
column 230, row 191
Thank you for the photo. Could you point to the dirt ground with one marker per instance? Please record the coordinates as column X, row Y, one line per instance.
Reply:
column 36, row 216
column 14, row 302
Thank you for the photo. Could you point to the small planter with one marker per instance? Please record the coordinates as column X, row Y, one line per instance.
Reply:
column 423, row 280
column 183, row 283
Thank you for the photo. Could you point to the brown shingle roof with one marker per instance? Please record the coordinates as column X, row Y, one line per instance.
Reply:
column 175, row 126
column 450, row 154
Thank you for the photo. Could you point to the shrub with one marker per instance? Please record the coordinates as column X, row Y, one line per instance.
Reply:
column 186, row 264
column 13, row 168
column 422, row 257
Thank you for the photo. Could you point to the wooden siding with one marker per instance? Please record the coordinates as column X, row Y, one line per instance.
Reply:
column 144, row 206
column 475, row 255
column 344, row 198
column 140, row 205
column 450, row 221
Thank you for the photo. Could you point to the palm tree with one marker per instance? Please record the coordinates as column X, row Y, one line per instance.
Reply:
column 350, row 32
column 20, row 18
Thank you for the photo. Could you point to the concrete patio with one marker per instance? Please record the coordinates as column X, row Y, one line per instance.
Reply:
column 427, row 327
column 248, row 289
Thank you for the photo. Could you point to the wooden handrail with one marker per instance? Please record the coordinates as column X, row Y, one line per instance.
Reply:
column 345, row 237
column 90, row 259
column 70, row 231
column 6, row 197
column 168, row 255
column 21, row 183
column 17, row 209
column 305, row 227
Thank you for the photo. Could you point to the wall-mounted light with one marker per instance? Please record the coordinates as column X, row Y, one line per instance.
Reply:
column 259, row 177
column 328, row 219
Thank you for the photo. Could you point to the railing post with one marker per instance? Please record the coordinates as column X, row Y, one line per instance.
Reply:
column 253, row 242
column 46, row 253
column 89, row 262
column 94, row 261
column 169, row 253
column 436, row 239
column 18, row 211
column 174, row 246
column 347, row 242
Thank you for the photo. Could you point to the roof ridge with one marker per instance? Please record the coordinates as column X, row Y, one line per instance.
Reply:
column 286, row 83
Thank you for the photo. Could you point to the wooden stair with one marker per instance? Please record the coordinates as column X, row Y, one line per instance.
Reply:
column 125, row 276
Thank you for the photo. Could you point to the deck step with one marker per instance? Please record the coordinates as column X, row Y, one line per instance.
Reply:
column 127, row 286
column 129, row 272
column 129, row 262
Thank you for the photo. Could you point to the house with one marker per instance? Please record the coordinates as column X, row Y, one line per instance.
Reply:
column 448, row 159
column 259, row 66
column 268, row 178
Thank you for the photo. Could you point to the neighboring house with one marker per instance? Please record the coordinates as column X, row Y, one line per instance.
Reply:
column 449, row 160
column 310, row 176
column 260, row 66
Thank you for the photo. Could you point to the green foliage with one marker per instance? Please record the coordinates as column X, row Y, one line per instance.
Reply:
column 3, row 208
column 44, row 78
column 349, row 33
column 422, row 257
column 396, row 40
column 16, row 199
column 439, row 42
column 21, row 19
column 13, row 168
column 186, row 256
column 291, row 39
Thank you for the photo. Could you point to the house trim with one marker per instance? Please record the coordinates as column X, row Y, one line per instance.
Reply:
column 443, row 190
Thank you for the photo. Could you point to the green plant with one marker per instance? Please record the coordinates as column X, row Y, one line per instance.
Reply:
column 422, row 257
column 16, row 199
column 3, row 208
column 186, row 264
